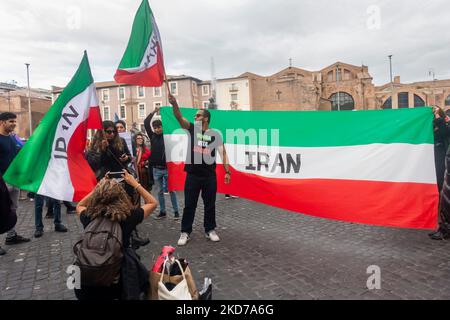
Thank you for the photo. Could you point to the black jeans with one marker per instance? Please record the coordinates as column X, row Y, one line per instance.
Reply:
column 192, row 187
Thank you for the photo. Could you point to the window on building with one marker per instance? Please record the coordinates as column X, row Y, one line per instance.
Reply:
column 447, row 101
column 194, row 88
column 387, row 104
column 342, row 101
column 173, row 88
column 105, row 95
column 157, row 91
column 234, row 97
column 141, row 110
column 205, row 90
column 403, row 100
column 418, row 101
column 347, row 75
column 121, row 93
column 122, row 112
column 106, row 114
column 141, row 92
column 330, row 76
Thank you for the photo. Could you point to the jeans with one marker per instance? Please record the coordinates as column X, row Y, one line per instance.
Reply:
column 192, row 187
column 160, row 177
column 14, row 195
column 39, row 205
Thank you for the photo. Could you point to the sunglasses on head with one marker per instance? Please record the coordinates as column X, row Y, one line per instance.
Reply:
column 110, row 131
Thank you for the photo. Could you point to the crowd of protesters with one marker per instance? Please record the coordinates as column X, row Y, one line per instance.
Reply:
column 125, row 179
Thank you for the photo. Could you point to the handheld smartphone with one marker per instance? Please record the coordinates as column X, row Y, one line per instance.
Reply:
column 115, row 175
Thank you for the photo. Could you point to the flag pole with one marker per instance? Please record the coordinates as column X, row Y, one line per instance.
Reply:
column 167, row 86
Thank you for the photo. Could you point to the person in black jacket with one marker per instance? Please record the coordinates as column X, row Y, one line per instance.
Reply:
column 441, row 143
column 442, row 163
column 8, row 217
column 109, row 153
column 157, row 161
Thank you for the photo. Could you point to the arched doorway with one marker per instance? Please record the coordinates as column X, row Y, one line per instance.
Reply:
column 342, row 101
column 387, row 104
column 418, row 101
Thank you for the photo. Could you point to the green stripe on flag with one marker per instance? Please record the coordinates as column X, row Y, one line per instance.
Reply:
column 318, row 128
column 140, row 36
column 29, row 167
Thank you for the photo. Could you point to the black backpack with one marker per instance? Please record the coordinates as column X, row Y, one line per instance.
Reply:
column 99, row 253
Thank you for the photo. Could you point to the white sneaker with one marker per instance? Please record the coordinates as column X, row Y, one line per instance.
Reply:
column 184, row 238
column 212, row 235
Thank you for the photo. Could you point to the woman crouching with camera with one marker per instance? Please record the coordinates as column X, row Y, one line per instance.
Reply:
column 102, row 279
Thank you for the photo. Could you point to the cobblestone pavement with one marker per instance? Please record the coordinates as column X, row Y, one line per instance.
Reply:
column 264, row 253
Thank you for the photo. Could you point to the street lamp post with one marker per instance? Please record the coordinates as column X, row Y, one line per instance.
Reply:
column 392, row 84
column 390, row 65
column 337, row 85
column 29, row 99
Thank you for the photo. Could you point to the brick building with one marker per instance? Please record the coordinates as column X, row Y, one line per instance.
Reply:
column 133, row 103
column 15, row 99
column 340, row 86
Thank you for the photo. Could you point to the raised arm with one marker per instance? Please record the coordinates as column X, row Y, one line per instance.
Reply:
column 150, row 202
column 184, row 123
column 148, row 121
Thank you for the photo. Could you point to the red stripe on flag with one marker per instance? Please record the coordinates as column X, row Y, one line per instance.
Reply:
column 94, row 118
column 82, row 177
column 404, row 205
column 151, row 77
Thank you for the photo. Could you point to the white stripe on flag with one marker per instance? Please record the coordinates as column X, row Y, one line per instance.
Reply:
column 57, row 183
column 397, row 162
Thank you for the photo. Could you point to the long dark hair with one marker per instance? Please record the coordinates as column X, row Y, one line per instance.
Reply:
column 139, row 134
column 116, row 141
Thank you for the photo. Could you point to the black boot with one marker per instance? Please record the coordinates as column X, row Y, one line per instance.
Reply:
column 441, row 234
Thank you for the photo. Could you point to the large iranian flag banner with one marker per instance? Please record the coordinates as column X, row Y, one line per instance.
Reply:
column 373, row 167
column 52, row 162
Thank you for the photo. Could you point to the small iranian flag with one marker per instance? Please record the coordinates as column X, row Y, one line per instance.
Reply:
column 142, row 64
column 52, row 162
column 373, row 167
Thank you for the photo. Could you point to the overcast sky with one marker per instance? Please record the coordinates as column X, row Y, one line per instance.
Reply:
column 242, row 35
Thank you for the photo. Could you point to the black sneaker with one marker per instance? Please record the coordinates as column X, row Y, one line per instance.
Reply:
column 16, row 240
column 440, row 235
column 2, row 251
column 161, row 215
column 60, row 228
column 38, row 233
column 176, row 216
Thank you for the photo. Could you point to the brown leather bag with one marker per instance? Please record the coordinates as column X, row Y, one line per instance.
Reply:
column 99, row 253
